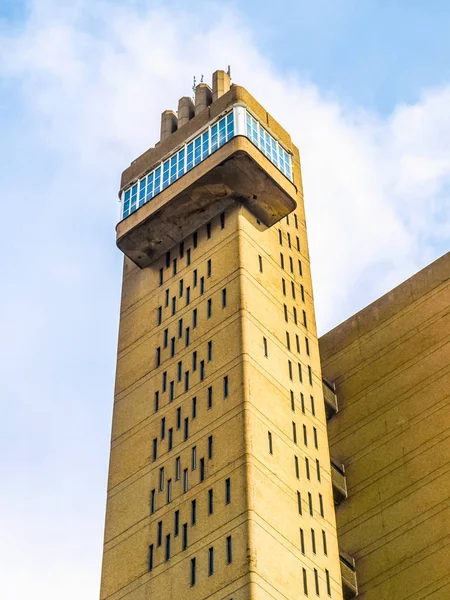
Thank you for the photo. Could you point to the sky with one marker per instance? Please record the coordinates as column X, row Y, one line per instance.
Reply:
column 363, row 87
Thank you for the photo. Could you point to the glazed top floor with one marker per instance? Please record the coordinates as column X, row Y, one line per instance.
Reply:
column 237, row 95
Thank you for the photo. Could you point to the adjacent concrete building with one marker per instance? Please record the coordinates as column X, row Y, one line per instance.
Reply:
column 221, row 484
column 391, row 367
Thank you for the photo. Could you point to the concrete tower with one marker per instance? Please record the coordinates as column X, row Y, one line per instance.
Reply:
column 220, row 484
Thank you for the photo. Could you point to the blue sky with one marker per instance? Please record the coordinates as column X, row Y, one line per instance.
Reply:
column 364, row 89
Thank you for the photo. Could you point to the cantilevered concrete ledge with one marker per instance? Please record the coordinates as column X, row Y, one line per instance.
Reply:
column 236, row 172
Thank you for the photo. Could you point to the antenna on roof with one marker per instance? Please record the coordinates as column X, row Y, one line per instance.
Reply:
column 194, row 85
column 201, row 79
column 229, row 71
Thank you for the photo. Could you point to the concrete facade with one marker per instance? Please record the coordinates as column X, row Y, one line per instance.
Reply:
column 219, row 402
column 391, row 366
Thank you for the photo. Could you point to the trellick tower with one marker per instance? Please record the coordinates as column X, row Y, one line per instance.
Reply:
column 219, row 482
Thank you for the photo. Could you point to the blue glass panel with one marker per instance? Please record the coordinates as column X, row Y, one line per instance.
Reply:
column 181, row 154
column 274, row 153
column 142, row 191
column 230, row 126
column 165, row 181
column 205, row 145
column 197, row 150
column 222, row 132
column 173, row 168
column 214, row 137
column 127, row 194
column 157, row 184
column 150, row 186
column 190, row 156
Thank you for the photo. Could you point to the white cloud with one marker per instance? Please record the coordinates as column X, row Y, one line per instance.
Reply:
column 93, row 78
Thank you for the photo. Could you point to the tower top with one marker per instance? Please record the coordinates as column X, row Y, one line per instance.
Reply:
column 221, row 148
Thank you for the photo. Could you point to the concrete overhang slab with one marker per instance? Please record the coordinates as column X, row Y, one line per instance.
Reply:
column 236, row 172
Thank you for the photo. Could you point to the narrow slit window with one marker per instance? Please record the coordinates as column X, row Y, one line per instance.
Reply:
column 229, row 550
column 193, row 512
column 269, row 436
column 328, row 581
column 210, row 502
column 227, row 490
column 324, row 543
column 210, row 561
column 305, row 582
column 210, row 447
column 313, row 541
column 150, row 557
column 193, row 571
column 210, row 397
column 185, row 537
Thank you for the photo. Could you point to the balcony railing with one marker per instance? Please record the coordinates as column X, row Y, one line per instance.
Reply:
column 348, row 574
column 329, row 395
column 339, row 482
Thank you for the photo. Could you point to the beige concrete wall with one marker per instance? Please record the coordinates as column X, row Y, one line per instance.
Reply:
column 273, row 484
column 263, row 516
column 391, row 365
column 130, row 528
